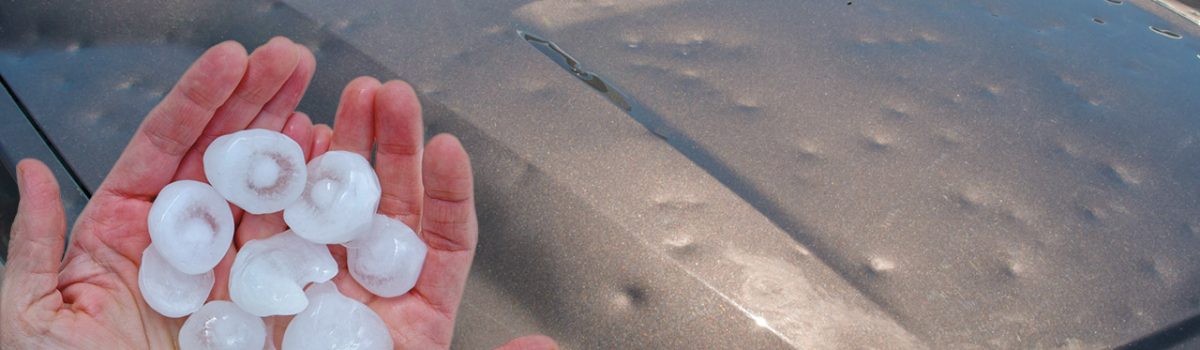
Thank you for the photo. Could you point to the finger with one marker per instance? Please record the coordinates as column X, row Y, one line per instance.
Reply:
column 353, row 126
column 154, row 153
column 322, row 136
column 258, row 227
column 530, row 342
column 269, row 67
column 398, row 135
column 448, row 225
column 38, row 233
column 276, row 326
column 221, row 272
column 277, row 111
column 299, row 127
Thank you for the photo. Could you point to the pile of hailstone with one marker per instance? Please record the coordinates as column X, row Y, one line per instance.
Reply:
column 331, row 200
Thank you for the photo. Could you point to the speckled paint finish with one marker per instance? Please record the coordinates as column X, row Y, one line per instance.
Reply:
column 887, row 174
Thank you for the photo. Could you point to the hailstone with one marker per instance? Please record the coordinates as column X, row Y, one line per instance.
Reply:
column 339, row 199
column 269, row 275
column 168, row 291
column 259, row 170
column 333, row 321
column 387, row 258
column 221, row 325
column 191, row 226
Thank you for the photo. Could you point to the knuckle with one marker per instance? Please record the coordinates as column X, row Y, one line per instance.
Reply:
column 196, row 96
column 398, row 148
column 398, row 204
column 166, row 141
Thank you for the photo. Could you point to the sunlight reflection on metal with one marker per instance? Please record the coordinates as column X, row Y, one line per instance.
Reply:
column 778, row 296
column 558, row 14
column 761, row 322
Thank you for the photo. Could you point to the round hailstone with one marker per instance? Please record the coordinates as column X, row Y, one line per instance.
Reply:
column 333, row 321
column 387, row 258
column 261, row 171
column 168, row 291
column 339, row 200
column 191, row 226
column 269, row 275
column 221, row 325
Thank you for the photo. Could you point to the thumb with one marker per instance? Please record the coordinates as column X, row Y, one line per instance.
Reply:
column 530, row 342
column 35, row 245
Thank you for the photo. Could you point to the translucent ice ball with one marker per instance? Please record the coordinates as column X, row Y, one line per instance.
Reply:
column 168, row 291
column 387, row 258
column 191, row 226
column 260, row 171
column 339, row 199
column 333, row 321
column 221, row 325
column 269, row 275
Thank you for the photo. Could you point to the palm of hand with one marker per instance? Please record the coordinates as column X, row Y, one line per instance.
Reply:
column 91, row 299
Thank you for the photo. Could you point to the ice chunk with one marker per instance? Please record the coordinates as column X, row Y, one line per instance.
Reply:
column 387, row 258
column 333, row 321
column 221, row 325
column 269, row 275
column 339, row 200
column 191, row 226
column 170, row 292
column 261, row 171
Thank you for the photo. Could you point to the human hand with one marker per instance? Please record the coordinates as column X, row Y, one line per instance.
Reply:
column 90, row 299
column 430, row 189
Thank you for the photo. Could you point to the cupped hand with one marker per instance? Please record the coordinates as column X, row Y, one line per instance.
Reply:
column 90, row 299
column 429, row 188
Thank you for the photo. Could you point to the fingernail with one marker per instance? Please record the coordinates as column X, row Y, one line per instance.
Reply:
column 20, row 178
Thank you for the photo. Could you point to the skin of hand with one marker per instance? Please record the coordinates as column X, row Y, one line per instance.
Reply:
column 89, row 299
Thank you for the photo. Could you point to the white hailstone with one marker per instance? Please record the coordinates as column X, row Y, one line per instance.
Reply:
column 221, row 325
column 168, row 291
column 261, row 171
column 191, row 226
column 333, row 321
column 269, row 275
column 387, row 258
column 339, row 200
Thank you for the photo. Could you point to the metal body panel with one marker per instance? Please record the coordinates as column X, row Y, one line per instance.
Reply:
column 19, row 139
column 887, row 174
